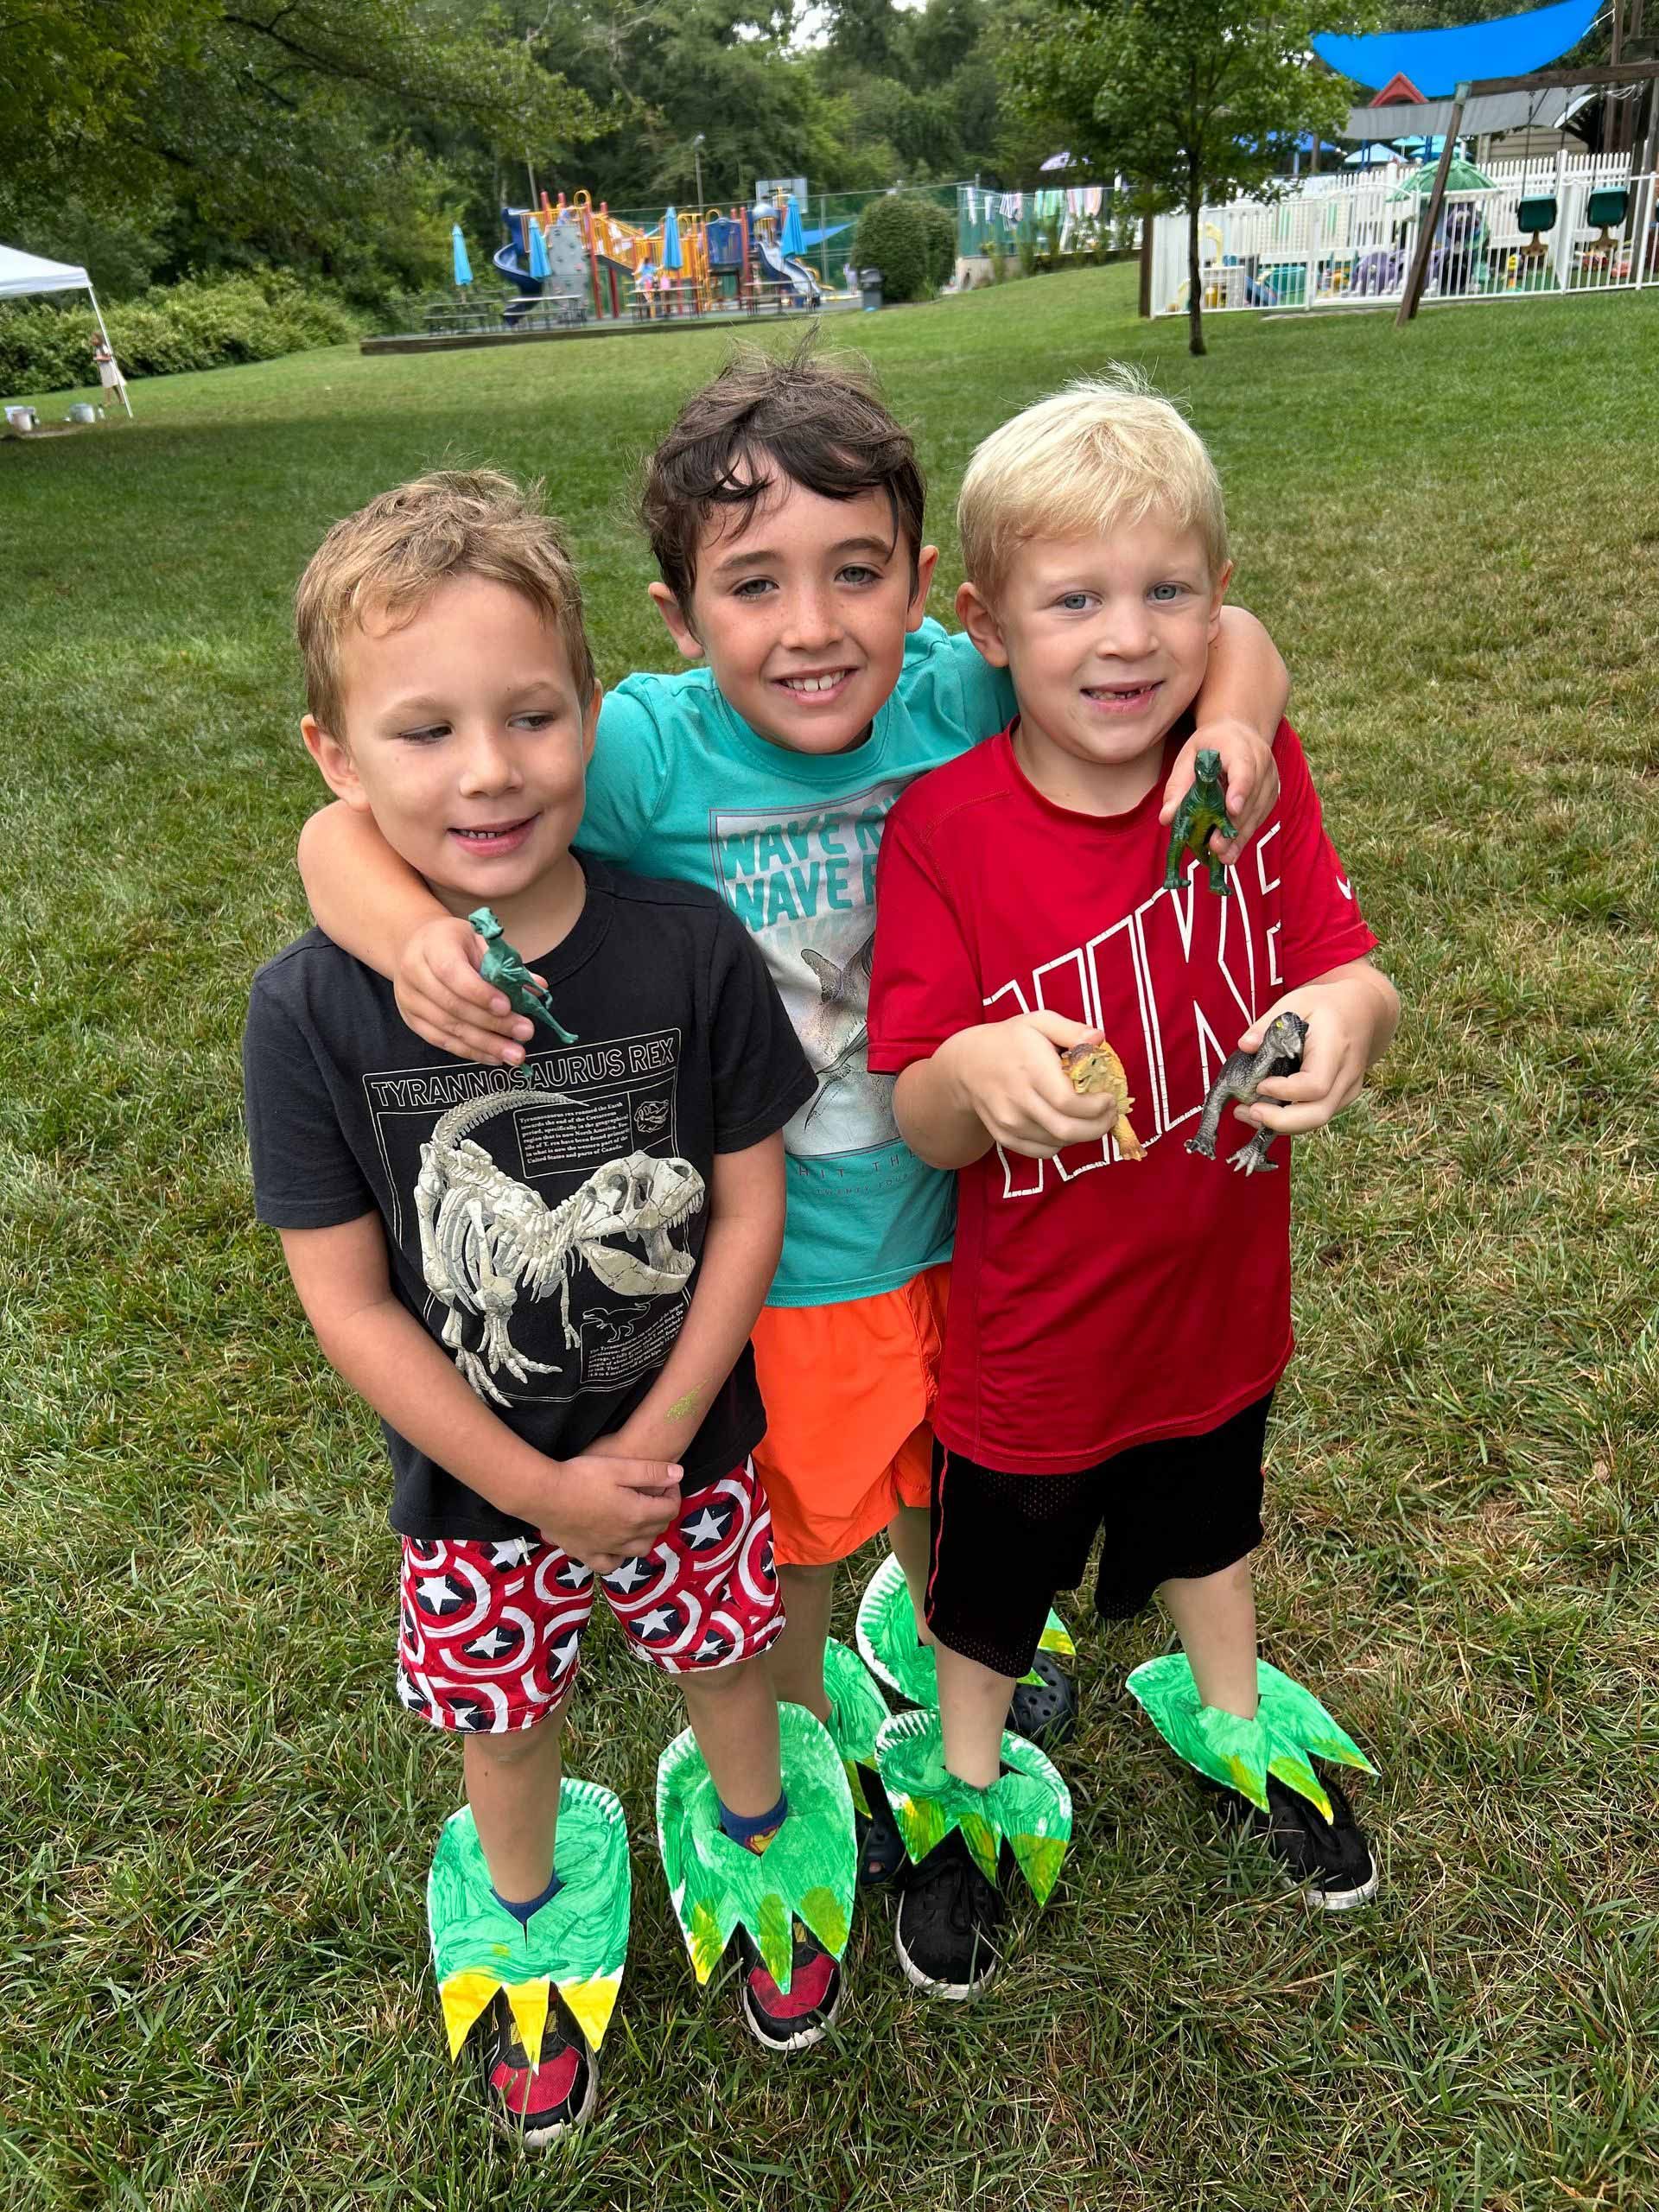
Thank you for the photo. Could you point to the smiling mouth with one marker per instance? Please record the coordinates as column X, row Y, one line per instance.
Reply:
column 493, row 833
column 1124, row 697
column 809, row 687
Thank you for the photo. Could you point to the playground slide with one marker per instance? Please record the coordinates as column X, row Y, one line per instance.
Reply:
column 513, row 266
column 784, row 271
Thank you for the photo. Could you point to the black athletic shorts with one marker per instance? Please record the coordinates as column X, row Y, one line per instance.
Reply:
column 1002, row 1545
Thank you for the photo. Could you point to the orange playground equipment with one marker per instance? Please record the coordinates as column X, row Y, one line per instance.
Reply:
column 593, row 264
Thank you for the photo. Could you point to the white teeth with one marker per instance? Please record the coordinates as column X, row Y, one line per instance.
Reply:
column 814, row 682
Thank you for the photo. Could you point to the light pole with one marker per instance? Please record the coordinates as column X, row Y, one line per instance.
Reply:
column 697, row 144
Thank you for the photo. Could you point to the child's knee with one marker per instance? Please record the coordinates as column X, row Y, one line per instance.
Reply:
column 710, row 1685
column 807, row 1578
column 516, row 1749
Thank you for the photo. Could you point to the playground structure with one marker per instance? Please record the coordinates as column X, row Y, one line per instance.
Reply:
column 589, row 265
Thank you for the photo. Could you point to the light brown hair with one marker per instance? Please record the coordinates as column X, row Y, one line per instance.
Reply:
column 817, row 423
column 389, row 557
column 1103, row 453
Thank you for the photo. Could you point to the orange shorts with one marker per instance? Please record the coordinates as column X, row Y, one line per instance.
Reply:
column 850, row 1390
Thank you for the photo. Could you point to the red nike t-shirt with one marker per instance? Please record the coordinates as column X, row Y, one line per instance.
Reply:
column 1098, row 1301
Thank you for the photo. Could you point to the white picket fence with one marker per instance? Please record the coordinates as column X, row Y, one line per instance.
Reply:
column 1350, row 244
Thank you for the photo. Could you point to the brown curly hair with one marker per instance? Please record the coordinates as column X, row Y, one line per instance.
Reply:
column 815, row 422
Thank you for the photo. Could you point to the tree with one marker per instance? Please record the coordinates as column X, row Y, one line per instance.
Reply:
column 310, row 133
column 1191, row 99
column 892, row 237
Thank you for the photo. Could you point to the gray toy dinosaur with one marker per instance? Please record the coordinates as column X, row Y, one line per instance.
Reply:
column 1243, row 1074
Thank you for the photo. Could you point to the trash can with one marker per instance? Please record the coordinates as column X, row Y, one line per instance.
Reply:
column 869, row 285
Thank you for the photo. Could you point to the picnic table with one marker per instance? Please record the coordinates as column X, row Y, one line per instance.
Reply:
column 664, row 296
column 553, row 311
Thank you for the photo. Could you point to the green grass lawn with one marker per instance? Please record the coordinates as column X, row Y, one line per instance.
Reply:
column 216, row 1821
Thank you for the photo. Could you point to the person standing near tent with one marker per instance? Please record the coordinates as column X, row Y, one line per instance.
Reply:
column 109, row 369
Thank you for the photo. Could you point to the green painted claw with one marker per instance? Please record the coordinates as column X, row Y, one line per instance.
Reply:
column 857, row 1709
column 1028, row 1806
column 578, row 1941
column 887, row 1639
column 1289, row 1724
column 807, row 1872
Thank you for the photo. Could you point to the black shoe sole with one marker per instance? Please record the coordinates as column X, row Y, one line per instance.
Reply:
column 956, row 1992
column 1324, row 1900
column 1239, row 1817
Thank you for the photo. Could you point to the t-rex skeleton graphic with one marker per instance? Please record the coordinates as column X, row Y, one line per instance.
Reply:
column 484, row 1238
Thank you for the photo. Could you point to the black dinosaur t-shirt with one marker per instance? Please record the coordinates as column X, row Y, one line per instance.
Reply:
column 545, row 1223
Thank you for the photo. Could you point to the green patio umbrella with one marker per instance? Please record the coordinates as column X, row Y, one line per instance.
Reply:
column 1462, row 176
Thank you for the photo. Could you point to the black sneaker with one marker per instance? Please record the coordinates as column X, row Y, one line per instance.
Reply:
column 880, row 1846
column 947, row 1922
column 1330, row 1861
column 1042, row 1712
column 806, row 2014
column 537, row 2103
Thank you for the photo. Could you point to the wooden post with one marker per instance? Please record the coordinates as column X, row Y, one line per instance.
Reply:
column 1430, row 215
column 1147, row 223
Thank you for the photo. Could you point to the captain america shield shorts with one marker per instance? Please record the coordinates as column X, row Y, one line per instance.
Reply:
column 491, row 1628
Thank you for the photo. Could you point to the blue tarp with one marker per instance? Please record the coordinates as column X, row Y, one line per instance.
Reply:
column 1438, row 61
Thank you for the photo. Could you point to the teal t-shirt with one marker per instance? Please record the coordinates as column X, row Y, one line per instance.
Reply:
column 680, row 786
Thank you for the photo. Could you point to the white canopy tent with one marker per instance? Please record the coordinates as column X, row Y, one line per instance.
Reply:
column 24, row 273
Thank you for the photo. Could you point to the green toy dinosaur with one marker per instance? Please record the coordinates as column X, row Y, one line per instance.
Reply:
column 1201, row 811
column 503, row 967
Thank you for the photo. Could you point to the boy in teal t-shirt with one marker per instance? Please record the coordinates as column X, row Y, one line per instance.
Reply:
column 785, row 511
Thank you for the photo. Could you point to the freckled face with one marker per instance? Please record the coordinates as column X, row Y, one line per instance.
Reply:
column 801, row 606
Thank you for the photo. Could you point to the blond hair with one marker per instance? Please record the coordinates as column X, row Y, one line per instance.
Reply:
column 389, row 558
column 1102, row 454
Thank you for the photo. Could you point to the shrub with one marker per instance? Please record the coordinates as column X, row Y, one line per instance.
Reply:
column 201, row 324
column 891, row 237
column 939, row 228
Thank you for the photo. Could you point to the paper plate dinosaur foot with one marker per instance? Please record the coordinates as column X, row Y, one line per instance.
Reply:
column 805, row 1873
column 1290, row 1723
column 576, row 1943
column 857, row 1710
column 1028, row 1806
column 887, row 1639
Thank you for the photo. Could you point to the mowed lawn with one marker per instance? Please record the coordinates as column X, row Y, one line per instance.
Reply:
column 214, row 1820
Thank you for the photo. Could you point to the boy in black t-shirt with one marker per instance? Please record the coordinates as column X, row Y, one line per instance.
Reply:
column 543, row 1279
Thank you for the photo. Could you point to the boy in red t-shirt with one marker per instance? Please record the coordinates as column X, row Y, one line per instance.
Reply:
column 1121, row 1320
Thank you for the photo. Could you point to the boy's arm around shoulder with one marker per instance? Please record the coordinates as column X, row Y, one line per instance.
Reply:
column 370, row 900
column 1237, row 712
